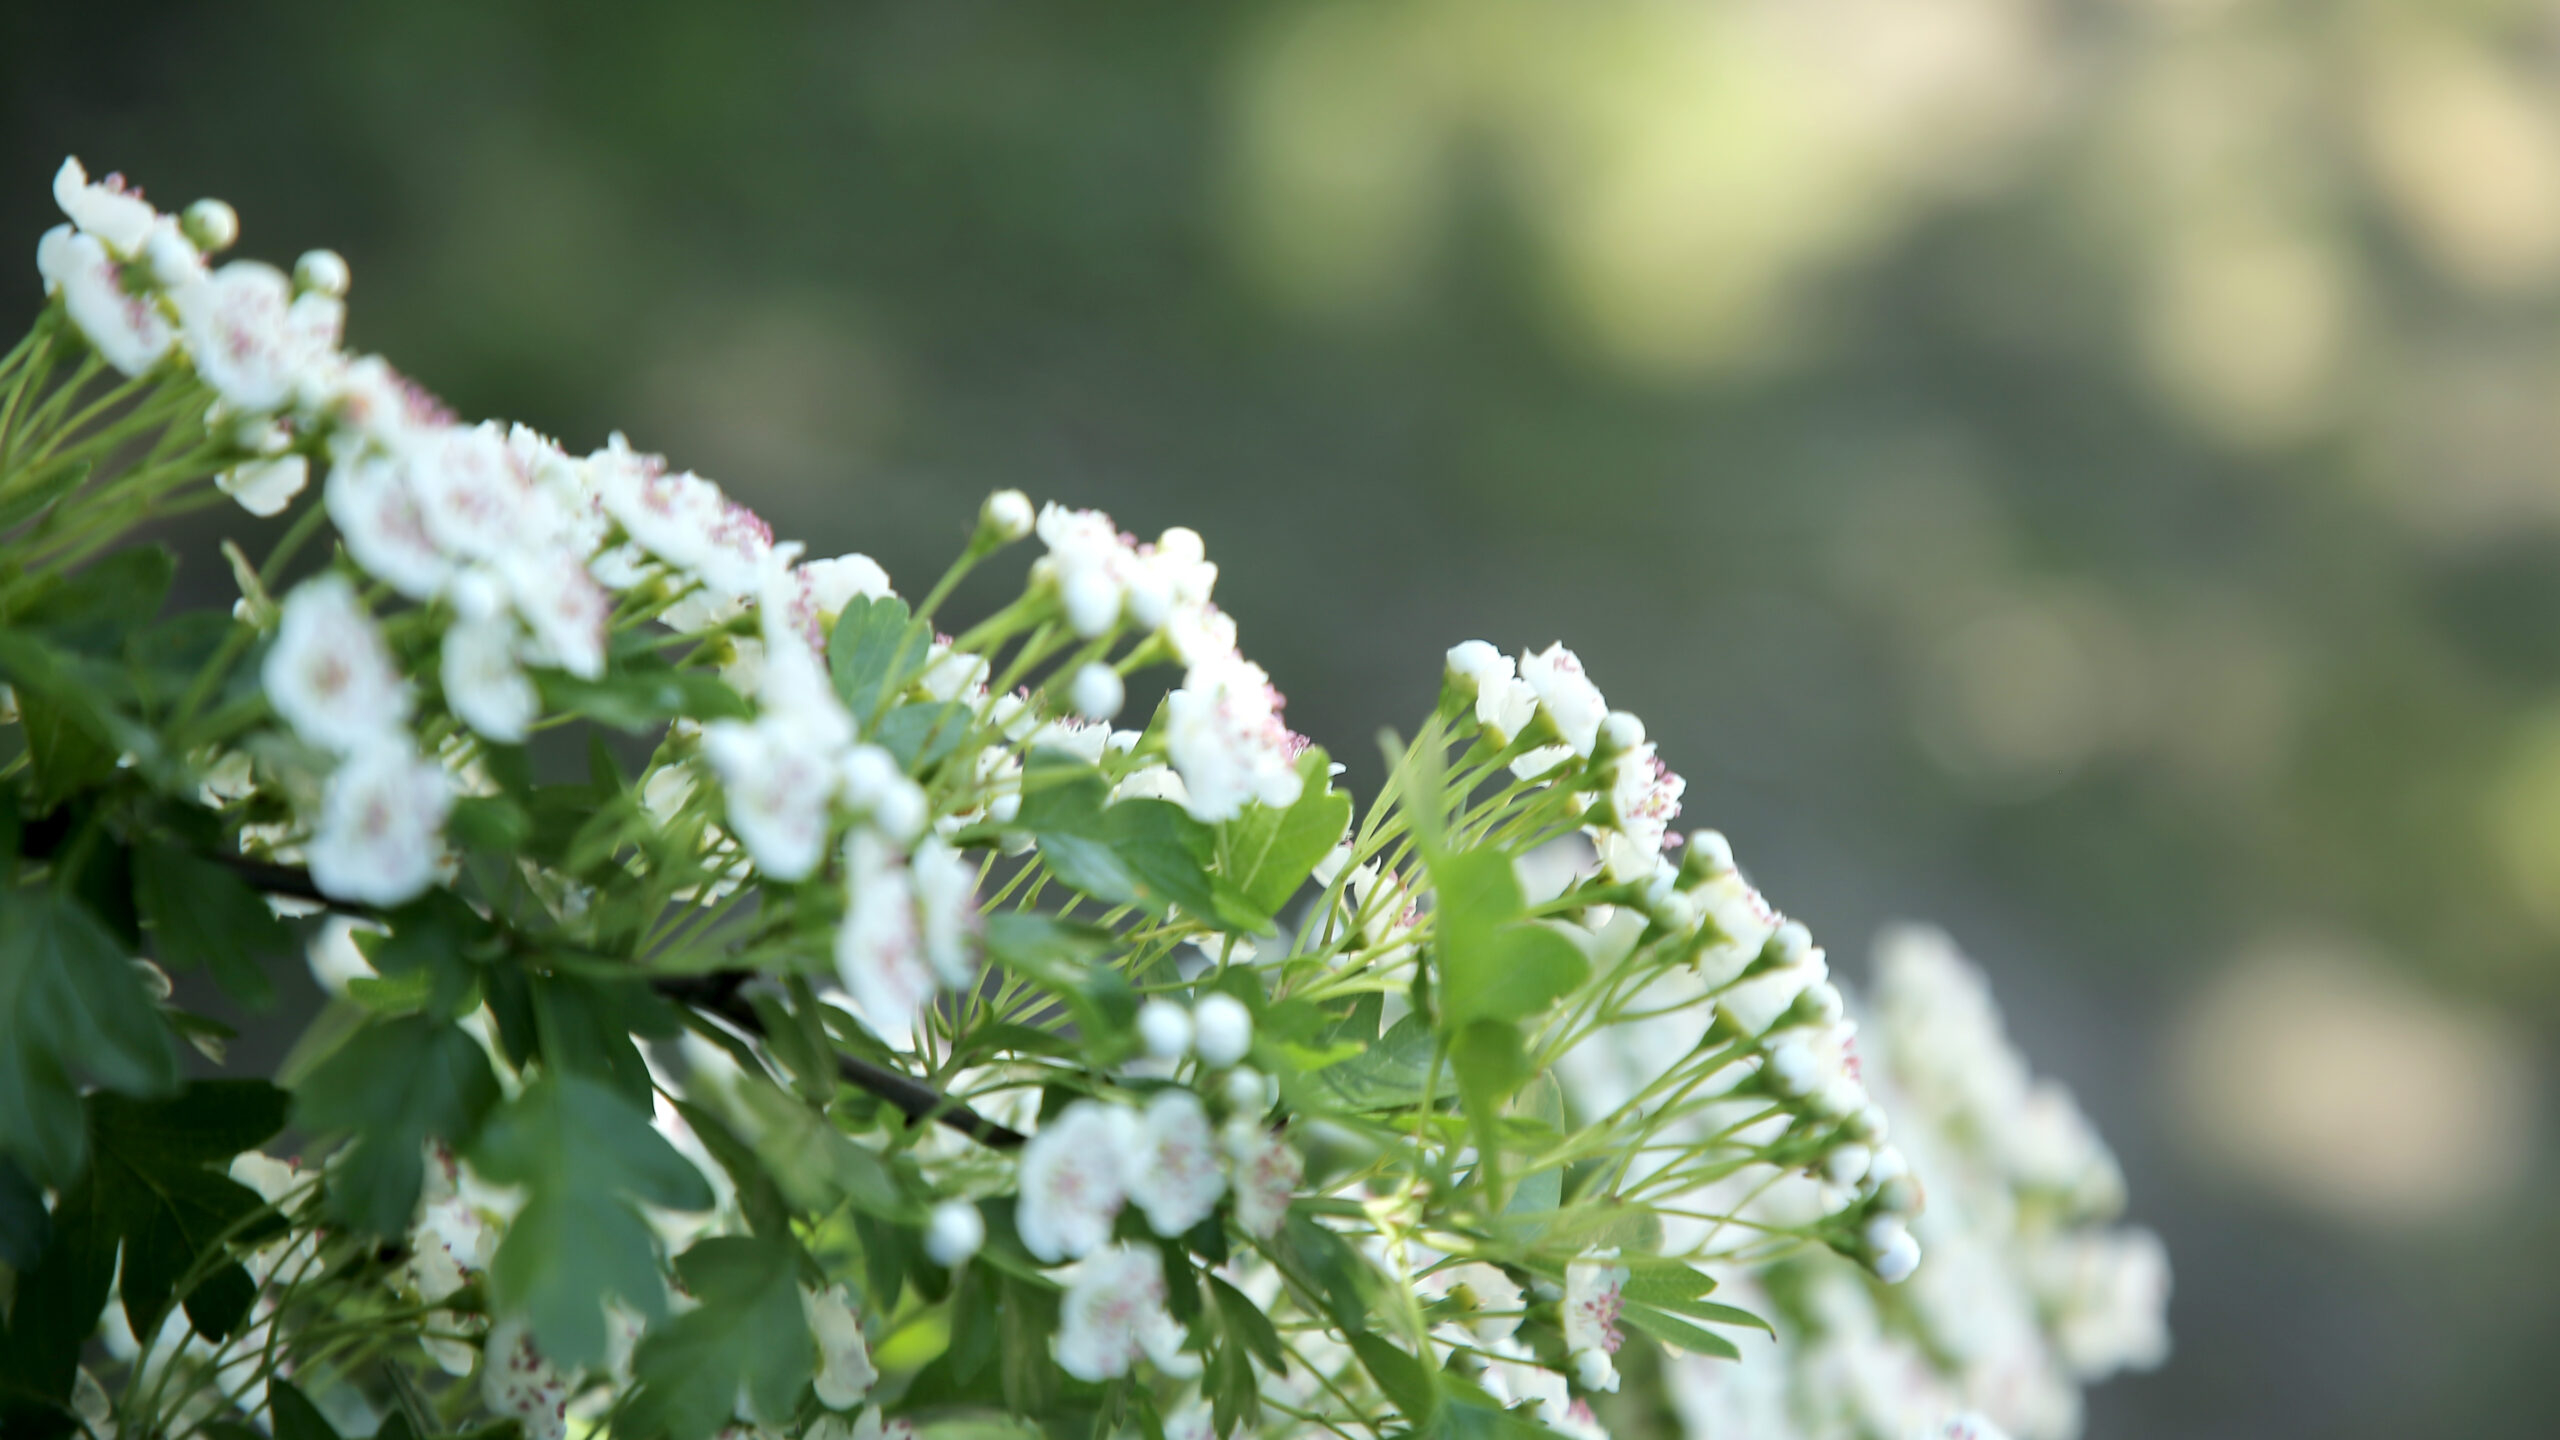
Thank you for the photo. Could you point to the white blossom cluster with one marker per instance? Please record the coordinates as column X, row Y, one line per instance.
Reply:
column 2029, row 1294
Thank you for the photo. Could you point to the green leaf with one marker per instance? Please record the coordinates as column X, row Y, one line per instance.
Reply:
column 816, row 1164
column 70, row 1003
column 1026, row 1316
column 157, row 1173
column 394, row 1085
column 1324, row 1265
column 1247, row 1326
column 202, row 914
column 923, row 734
column 25, row 1228
column 1406, row 1381
column 1678, row 1333
column 1494, row 965
column 55, row 1310
column 1389, row 1075
column 1057, row 956
column 748, row 1340
column 94, row 608
column 585, row 1154
column 640, row 694
column 296, row 1418
column 874, row 651
column 1269, row 853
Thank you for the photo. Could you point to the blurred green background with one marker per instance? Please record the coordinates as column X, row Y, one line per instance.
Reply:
column 2081, row 471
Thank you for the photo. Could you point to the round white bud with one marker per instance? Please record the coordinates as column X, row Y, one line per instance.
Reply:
column 1222, row 1030
column 1595, row 1370
column 1846, row 1164
column 1794, row 942
column 954, row 1233
column 1246, row 1091
column 1888, row 1165
column 1164, row 1028
column 1092, row 602
column 1097, row 692
column 1620, row 731
column 212, row 224
column 1007, row 515
column 1822, row 1002
column 1869, row 1124
column 322, row 271
column 1894, row 1254
column 1791, row 1067
column 1710, row 852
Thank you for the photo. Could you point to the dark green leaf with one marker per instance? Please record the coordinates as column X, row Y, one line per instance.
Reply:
column 1247, row 1326
column 585, row 1153
column 55, row 1310
column 70, row 1002
column 1026, row 1316
column 25, row 1228
column 1407, row 1382
column 296, row 1418
column 157, row 1173
column 1389, row 1075
column 395, row 1085
column 1323, row 1264
column 747, row 1340
column 202, row 914
column 1678, row 1333
column 640, row 694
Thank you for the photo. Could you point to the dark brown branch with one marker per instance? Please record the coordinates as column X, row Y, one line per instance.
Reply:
column 721, row 994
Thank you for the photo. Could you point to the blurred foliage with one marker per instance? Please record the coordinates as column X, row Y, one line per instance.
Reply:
column 2079, row 469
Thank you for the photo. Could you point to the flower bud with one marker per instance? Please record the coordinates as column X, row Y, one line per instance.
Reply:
column 322, row 272
column 1006, row 517
column 1846, row 1164
column 1891, row 1252
column 1222, row 1030
column 1092, row 602
column 1097, row 692
column 1709, row 856
column 213, row 225
column 1868, row 1124
column 1246, row 1091
column 1793, row 942
column 1620, row 732
column 954, row 1233
column 1791, row 1067
column 1594, row 1370
column 1164, row 1028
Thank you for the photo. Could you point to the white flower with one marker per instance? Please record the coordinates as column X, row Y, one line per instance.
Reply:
column 1090, row 563
column 251, row 340
column 1225, row 735
column 1164, row 1028
column 1222, row 1030
column 1503, row 701
column 475, row 497
column 874, row 785
column 682, row 519
column 880, row 948
column 519, row 1383
column 265, row 487
column 1114, row 1312
column 1571, row 702
column 947, row 901
column 483, row 683
column 1968, row 1426
column 1644, row 798
column 1174, row 1174
column 329, row 674
column 2108, row 1293
column 1007, row 514
column 379, row 839
column 954, row 1233
column 212, row 225
column 820, row 590
column 1097, row 691
column 1267, row 1174
column 1491, row 1300
column 1071, row 1178
column 564, row 607
column 383, row 528
column 1593, row 1297
column 779, row 788
column 116, row 215
column 127, row 330
column 845, row 1373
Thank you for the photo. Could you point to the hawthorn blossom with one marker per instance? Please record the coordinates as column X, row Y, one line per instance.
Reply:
column 1073, row 1180
column 519, row 1382
column 265, row 487
column 1267, row 1174
column 1089, row 561
column 1164, row 1029
column 380, row 836
column 845, row 1373
column 821, row 589
column 474, row 496
column 946, row 886
column 778, row 791
column 1489, row 1298
column 563, row 606
column 876, row 786
column 1097, row 692
column 1221, row 1030
column 483, row 683
column 329, row 674
column 1504, row 703
column 251, row 339
column 126, row 328
column 1173, row 1176
column 1593, row 1298
column 379, row 520
column 1114, row 1313
column 109, row 210
column 1566, row 695
column 880, row 946
column 1644, row 798
column 1224, row 735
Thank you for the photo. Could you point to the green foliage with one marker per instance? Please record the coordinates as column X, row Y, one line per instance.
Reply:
column 746, row 1341
column 1269, row 853
column 874, row 651
column 156, row 1183
column 201, row 914
column 584, row 1153
column 71, row 1004
column 393, row 1086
